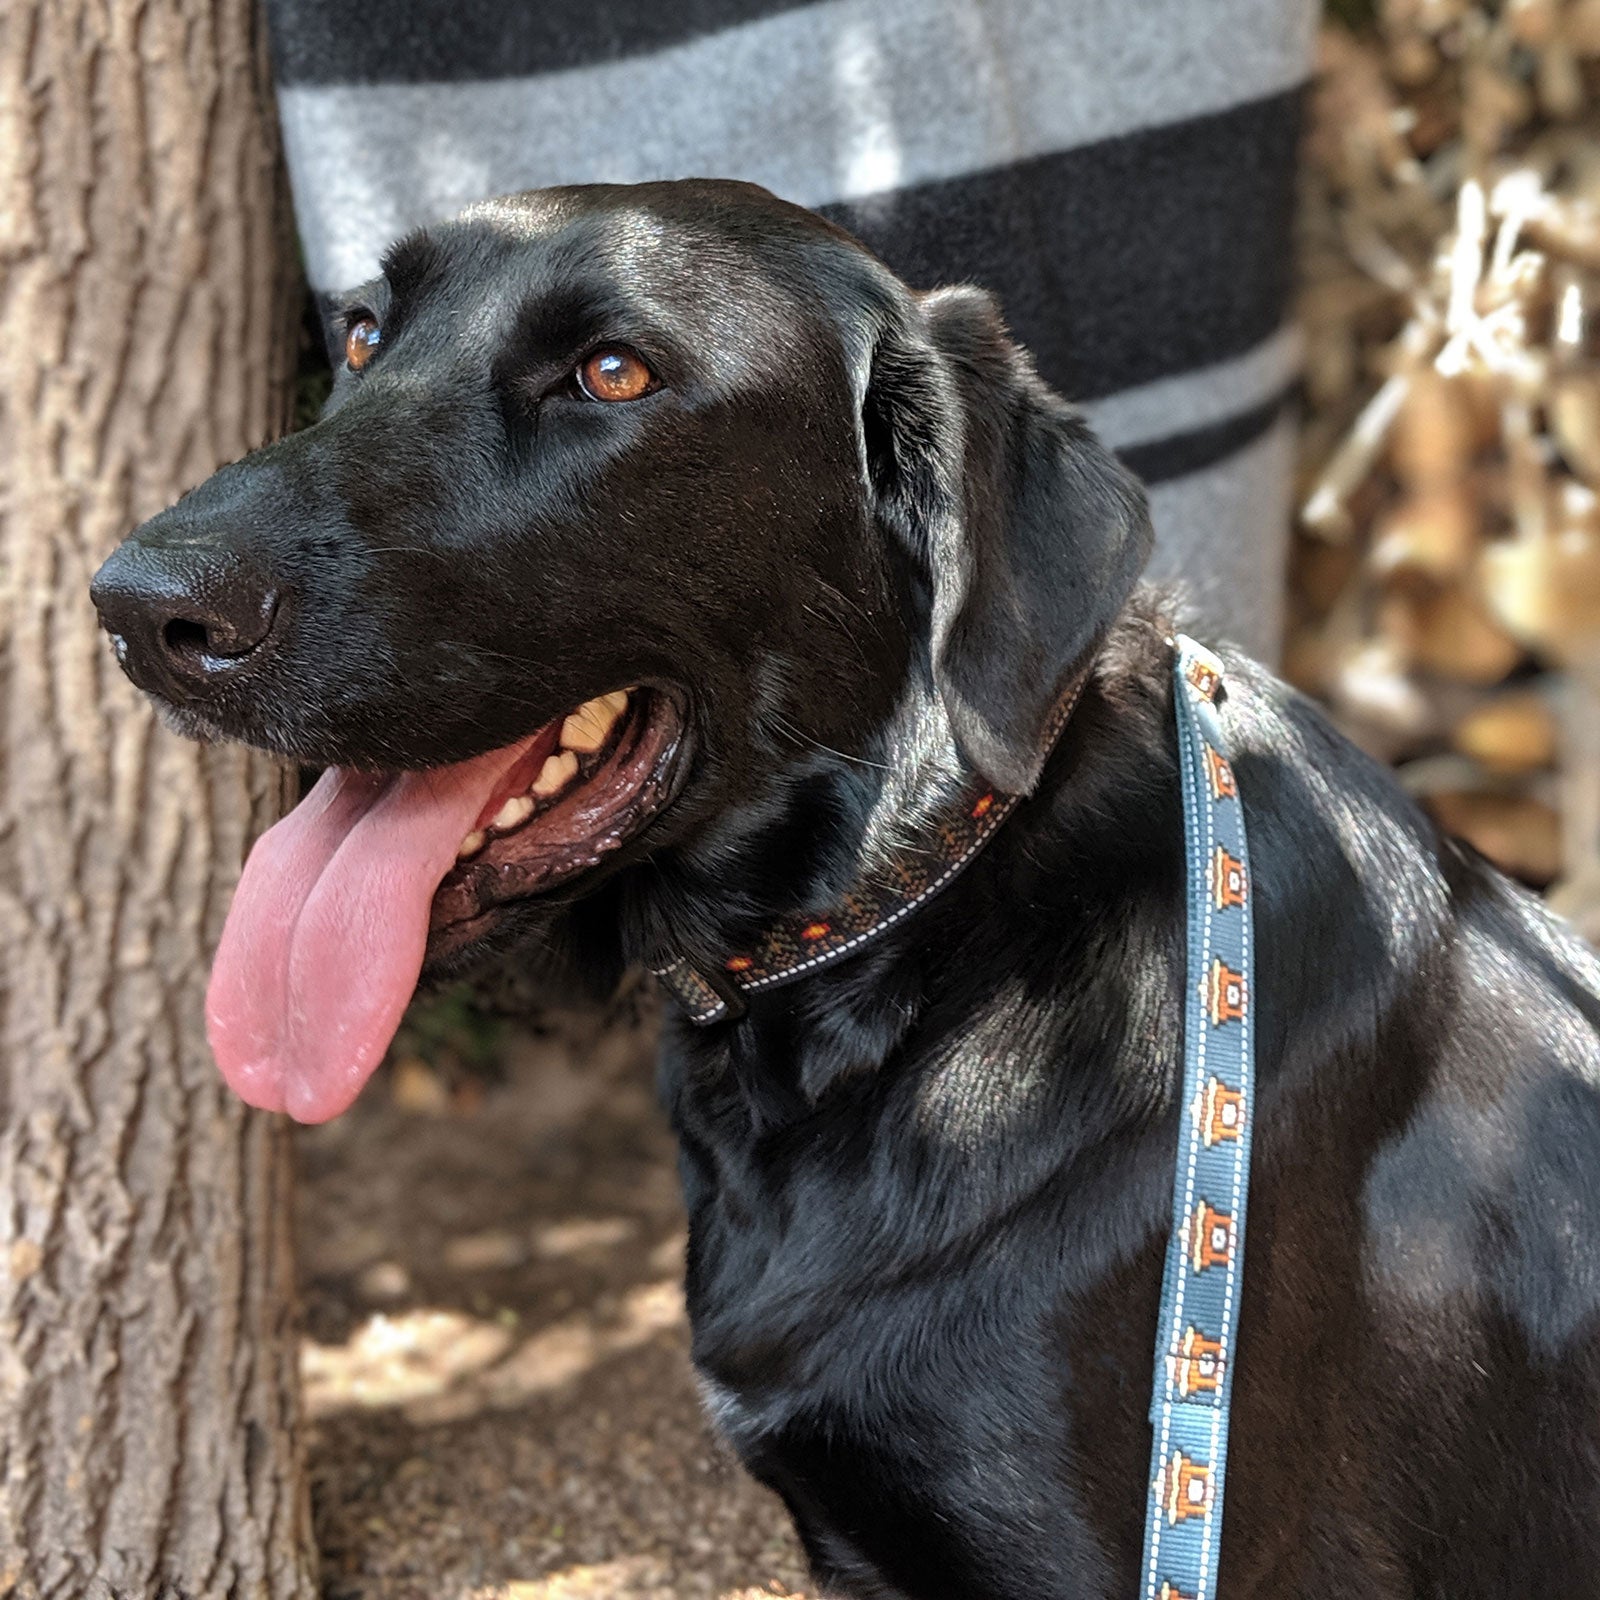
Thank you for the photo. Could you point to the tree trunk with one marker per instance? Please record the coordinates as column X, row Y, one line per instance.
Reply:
column 148, row 1442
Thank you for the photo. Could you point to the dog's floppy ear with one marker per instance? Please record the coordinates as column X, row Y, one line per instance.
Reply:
column 1030, row 532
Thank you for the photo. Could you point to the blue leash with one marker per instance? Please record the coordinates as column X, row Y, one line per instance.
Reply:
column 1199, row 1324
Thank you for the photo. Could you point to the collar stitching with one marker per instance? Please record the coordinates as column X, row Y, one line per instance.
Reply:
column 796, row 944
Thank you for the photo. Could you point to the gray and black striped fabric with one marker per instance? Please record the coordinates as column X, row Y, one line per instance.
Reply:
column 1119, row 172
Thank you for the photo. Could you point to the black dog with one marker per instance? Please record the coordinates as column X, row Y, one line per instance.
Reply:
column 809, row 550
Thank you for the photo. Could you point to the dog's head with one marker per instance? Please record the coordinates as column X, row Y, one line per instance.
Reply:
column 637, row 518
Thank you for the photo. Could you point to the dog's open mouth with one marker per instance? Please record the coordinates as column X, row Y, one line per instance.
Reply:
column 581, row 788
column 371, row 874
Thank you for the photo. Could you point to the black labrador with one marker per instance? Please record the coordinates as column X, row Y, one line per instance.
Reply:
column 659, row 568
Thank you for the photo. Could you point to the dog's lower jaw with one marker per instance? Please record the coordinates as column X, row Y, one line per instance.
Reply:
column 602, row 808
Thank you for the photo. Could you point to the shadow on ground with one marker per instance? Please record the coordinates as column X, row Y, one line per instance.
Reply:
column 496, row 1359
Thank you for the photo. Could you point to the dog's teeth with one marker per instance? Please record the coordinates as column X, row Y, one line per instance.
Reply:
column 516, row 810
column 472, row 844
column 557, row 772
column 590, row 725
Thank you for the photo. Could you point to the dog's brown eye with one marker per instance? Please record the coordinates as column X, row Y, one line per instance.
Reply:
column 615, row 374
column 361, row 342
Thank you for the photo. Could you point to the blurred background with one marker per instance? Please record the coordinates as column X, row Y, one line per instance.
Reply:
column 1445, row 580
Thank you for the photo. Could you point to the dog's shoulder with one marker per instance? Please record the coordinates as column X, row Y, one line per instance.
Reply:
column 1489, row 1193
column 1479, row 1009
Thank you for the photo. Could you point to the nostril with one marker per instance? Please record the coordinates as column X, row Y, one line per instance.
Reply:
column 185, row 638
column 229, row 634
column 218, row 637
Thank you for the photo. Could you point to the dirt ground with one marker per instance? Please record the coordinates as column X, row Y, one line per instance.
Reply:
column 496, row 1362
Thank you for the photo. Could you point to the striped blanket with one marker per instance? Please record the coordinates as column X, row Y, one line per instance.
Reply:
column 1119, row 172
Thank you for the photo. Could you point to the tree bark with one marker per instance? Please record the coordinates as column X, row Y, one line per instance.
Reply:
column 148, row 1404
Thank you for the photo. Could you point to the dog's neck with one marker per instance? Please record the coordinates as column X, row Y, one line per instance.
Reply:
column 846, row 817
column 930, row 816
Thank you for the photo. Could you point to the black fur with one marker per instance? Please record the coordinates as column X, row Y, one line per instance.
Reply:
column 929, row 1188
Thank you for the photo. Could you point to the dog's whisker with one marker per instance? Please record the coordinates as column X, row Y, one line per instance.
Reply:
column 787, row 729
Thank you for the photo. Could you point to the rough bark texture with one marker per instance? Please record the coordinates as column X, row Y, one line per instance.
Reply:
column 147, row 1392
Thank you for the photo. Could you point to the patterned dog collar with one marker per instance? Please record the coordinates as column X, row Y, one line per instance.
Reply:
column 802, row 943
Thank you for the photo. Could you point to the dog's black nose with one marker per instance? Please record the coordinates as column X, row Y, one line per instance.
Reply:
column 184, row 616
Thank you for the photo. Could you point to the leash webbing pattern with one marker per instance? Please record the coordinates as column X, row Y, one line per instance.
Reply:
column 1199, row 1322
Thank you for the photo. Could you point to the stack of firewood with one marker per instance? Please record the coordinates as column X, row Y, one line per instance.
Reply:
column 1447, row 564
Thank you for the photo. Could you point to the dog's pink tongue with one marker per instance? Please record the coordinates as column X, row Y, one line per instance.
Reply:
column 324, row 943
